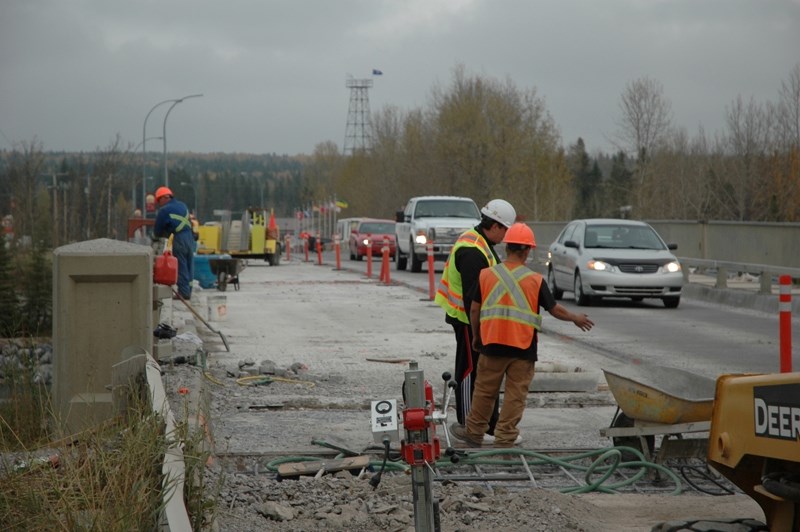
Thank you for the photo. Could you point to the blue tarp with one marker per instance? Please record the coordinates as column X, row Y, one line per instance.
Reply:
column 202, row 270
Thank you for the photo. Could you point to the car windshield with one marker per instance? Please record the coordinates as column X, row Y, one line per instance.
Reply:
column 446, row 209
column 377, row 227
column 621, row 237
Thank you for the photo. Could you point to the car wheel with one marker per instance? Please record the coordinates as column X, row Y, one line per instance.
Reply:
column 551, row 281
column 400, row 260
column 580, row 298
column 672, row 302
column 416, row 264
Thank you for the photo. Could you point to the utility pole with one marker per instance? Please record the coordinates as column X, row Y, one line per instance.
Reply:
column 54, row 186
column 88, row 207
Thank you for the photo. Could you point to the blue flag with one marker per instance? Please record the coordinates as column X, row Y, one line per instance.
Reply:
column 376, row 72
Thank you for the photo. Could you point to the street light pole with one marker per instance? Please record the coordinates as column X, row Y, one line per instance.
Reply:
column 164, row 134
column 133, row 184
column 144, row 156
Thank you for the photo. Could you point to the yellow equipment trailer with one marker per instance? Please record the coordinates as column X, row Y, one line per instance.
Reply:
column 255, row 235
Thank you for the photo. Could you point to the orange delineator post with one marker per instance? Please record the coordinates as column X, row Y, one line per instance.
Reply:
column 305, row 246
column 385, row 261
column 319, row 250
column 369, row 256
column 431, row 290
column 785, row 310
column 337, row 249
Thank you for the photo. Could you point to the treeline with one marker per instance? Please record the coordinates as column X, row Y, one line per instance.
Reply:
column 57, row 197
column 477, row 137
column 485, row 138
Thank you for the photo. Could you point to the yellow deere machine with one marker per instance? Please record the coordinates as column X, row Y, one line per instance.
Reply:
column 256, row 235
column 755, row 442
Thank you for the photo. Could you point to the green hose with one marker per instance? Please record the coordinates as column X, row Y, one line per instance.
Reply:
column 606, row 463
column 597, row 466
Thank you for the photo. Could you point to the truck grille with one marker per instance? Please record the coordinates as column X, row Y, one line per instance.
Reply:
column 447, row 235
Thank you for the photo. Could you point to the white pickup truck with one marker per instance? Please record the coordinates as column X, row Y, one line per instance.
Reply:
column 440, row 219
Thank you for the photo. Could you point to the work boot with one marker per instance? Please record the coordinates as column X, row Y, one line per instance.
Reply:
column 489, row 439
column 460, row 433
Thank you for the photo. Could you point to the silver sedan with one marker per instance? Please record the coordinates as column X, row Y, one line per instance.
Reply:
column 599, row 257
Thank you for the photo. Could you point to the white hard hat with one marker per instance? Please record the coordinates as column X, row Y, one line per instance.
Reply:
column 500, row 211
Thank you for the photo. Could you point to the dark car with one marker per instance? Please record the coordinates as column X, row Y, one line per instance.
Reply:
column 598, row 258
column 374, row 231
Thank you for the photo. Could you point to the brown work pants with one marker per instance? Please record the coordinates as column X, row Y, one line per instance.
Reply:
column 491, row 371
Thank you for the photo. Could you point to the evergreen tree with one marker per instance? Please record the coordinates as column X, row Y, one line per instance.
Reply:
column 587, row 179
column 38, row 295
column 9, row 302
column 619, row 185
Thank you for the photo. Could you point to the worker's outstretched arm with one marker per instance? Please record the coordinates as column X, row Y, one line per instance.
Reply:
column 581, row 321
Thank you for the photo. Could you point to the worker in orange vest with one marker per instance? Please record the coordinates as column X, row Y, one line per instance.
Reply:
column 505, row 320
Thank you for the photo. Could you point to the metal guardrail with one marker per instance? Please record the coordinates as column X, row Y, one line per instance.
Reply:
column 765, row 272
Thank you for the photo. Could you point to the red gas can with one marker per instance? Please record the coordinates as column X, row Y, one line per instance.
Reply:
column 165, row 269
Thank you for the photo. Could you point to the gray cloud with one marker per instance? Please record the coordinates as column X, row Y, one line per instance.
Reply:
column 75, row 73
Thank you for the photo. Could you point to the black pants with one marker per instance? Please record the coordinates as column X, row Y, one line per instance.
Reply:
column 466, row 373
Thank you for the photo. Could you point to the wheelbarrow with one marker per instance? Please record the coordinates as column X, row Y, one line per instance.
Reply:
column 226, row 270
column 658, row 400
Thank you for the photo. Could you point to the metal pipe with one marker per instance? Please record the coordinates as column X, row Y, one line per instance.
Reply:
column 421, row 480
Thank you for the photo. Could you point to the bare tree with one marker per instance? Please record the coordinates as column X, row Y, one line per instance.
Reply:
column 25, row 164
column 645, row 119
column 747, row 141
column 789, row 109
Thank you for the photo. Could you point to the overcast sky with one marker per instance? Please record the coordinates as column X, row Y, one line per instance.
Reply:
column 75, row 73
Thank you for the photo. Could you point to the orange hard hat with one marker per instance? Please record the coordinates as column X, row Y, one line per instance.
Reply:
column 163, row 191
column 520, row 233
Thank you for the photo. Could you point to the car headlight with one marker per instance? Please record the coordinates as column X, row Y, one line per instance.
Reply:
column 599, row 266
column 421, row 239
column 672, row 267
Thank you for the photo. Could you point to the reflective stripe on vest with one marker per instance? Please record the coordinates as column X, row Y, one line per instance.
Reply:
column 184, row 221
column 507, row 315
column 449, row 294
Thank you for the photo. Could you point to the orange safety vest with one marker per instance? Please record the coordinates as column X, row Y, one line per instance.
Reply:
column 449, row 294
column 510, row 304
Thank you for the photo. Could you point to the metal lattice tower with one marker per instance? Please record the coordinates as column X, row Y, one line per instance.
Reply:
column 358, row 134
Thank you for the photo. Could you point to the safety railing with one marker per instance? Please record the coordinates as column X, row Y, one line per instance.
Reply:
column 767, row 274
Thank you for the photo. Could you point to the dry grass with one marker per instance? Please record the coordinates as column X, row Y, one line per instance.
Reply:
column 108, row 479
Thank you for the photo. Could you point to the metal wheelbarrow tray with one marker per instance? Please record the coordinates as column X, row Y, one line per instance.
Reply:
column 658, row 394
column 657, row 400
column 227, row 271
